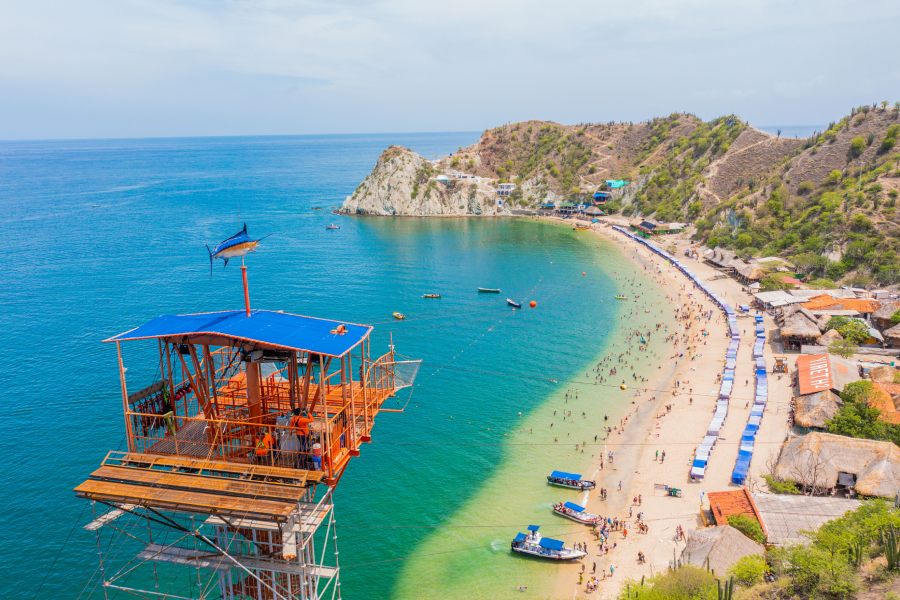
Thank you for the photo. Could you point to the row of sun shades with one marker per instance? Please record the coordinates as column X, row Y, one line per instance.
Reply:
column 760, row 397
column 701, row 456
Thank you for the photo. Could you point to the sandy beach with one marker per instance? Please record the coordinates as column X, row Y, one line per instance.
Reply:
column 654, row 444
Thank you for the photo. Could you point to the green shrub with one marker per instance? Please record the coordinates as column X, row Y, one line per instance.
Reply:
column 748, row 526
column 749, row 570
column 781, row 486
column 684, row 583
column 857, row 146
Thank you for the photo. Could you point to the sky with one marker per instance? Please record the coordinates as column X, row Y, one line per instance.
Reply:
column 137, row 68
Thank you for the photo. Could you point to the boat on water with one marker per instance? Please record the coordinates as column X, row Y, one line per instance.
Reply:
column 533, row 544
column 332, row 226
column 570, row 480
column 513, row 303
column 621, row 297
column 431, row 295
column 576, row 512
column 398, row 315
column 488, row 290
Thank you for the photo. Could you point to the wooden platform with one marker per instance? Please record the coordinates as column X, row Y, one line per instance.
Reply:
column 199, row 486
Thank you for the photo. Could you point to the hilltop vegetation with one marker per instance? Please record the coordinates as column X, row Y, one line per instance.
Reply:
column 827, row 203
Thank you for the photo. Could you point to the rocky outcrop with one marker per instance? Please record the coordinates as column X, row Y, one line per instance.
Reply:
column 404, row 183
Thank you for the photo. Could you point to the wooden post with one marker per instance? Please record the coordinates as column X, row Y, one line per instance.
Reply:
column 254, row 398
column 246, row 287
column 125, row 409
column 292, row 380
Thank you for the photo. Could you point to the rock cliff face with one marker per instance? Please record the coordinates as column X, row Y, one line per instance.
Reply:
column 404, row 183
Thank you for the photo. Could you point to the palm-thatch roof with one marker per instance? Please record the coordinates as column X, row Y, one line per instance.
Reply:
column 829, row 336
column 798, row 325
column 818, row 459
column 815, row 410
column 893, row 334
column 886, row 310
column 722, row 546
column 751, row 272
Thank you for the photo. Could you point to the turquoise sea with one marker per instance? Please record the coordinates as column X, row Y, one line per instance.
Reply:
column 102, row 235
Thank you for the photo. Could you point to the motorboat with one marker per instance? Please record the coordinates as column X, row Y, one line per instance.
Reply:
column 533, row 544
column 570, row 480
column 576, row 512
column 399, row 316
column 513, row 303
column 332, row 226
column 431, row 295
column 488, row 290
column 621, row 297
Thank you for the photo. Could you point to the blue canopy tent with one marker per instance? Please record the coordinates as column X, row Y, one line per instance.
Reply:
column 520, row 537
column 551, row 544
column 533, row 528
column 573, row 506
column 564, row 475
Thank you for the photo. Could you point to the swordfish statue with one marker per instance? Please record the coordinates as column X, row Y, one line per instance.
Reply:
column 237, row 245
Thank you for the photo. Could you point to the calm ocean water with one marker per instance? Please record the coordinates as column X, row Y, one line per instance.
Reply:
column 102, row 235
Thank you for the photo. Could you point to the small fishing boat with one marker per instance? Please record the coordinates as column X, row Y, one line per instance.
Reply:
column 399, row 316
column 581, row 227
column 570, row 480
column 431, row 295
column 488, row 290
column 513, row 303
column 576, row 512
column 332, row 226
column 533, row 544
column 621, row 297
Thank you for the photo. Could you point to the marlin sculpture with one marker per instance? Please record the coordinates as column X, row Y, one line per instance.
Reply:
column 239, row 244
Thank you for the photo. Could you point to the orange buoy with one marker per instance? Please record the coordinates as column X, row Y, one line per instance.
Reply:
column 623, row 387
column 532, row 304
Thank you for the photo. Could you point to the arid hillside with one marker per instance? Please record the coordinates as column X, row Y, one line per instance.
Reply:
column 828, row 203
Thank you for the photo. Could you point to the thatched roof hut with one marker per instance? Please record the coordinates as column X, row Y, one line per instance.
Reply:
column 829, row 336
column 823, row 459
column 886, row 309
column 799, row 326
column 892, row 336
column 722, row 546
column 815, row 410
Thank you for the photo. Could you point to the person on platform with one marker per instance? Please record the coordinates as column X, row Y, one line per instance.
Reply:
column 264, row 452
column 300, row 422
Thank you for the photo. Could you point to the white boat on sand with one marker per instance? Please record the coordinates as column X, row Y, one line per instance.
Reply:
column 576, row 512
column 533, row 544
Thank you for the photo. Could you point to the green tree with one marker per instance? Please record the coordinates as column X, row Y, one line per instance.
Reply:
column 843, row 348
column 749, row 570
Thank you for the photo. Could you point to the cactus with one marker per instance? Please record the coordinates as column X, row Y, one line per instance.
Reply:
column 726, row 591
column 891, row 548
column 855, row 553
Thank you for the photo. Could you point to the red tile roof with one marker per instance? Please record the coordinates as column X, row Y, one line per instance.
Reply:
column 733, row 502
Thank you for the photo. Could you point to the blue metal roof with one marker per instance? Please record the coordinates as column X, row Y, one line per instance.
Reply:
column 573, row 506
column 278, row 329
column 564, row 475
column 551, row 544
column 533, row 527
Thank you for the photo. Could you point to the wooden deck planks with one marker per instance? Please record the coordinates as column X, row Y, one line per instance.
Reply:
column 197, row 502
column 199, row 483
column 211, row 467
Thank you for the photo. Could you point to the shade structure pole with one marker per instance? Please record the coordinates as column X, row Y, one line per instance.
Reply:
column 246, row 287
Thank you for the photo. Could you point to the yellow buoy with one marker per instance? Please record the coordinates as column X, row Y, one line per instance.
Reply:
column 623, row 387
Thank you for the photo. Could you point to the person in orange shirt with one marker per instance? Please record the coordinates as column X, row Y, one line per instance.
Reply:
column 300, row 423
column 263, row 453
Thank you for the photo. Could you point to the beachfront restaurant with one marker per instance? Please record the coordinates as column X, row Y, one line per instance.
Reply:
column 821, row 462
column 819, row 380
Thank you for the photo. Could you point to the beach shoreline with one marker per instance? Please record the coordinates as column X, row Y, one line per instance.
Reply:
column 673, row 419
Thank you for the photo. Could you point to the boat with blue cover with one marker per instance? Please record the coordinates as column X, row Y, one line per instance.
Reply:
column 570, row 480
column 533, row 544
column 576, row 512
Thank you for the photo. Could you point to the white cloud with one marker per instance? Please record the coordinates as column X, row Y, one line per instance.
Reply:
column 145, row 67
